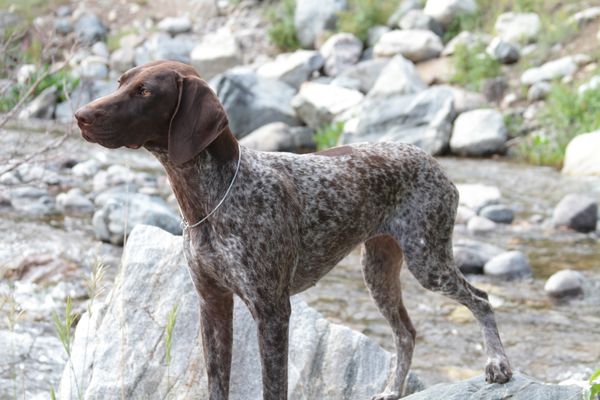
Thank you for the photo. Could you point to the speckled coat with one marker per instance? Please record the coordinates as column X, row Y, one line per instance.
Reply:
column 288, row 220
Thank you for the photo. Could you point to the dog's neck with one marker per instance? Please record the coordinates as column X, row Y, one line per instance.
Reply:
column 201, row 183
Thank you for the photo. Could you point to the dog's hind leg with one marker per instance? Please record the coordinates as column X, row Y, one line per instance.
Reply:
column 381, row 261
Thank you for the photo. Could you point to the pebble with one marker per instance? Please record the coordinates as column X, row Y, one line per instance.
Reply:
column 565, row 283
column 498, row 213
column 577, row 212
column 511, row 264
column 478, row 225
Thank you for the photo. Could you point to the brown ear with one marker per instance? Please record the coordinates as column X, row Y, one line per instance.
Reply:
column 198, row 119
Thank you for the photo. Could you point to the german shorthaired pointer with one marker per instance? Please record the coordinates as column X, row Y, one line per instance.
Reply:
column 265, row 226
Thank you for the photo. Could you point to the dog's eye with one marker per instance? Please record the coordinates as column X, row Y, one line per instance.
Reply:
column 144, row 92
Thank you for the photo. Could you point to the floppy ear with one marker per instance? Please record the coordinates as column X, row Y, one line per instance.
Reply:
column 198, row 119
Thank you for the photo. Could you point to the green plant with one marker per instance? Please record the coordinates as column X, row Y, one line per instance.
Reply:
column 566, row 115
column 282, row 32
column 364, row 14
column 472, row 65
column 63, row 327
column 593, row 392
column 328, row 135
column 463, row 22
column 169, row 326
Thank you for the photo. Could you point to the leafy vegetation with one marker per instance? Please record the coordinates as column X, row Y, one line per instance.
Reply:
column 283, row 30
column 329, row 135
column 364, row 14
column 472, row 65
column 594, row 390
column 566, row 115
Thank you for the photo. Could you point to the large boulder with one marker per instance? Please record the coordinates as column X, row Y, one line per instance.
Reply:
column 423, row 119
column 161, row 46
column 518, row 27
column 478, row 133
column 398, row 77
column 292, row 68
column 89, row 29
column 252, row 101
column 313, row 17
column 520, row 387
column 512, row 264
column 318, row 104
column 363, row 74
column 215, row 54
column 581, row 157
column 445, row 11
column 416, row 45
column 119, row 348
column 278, row 136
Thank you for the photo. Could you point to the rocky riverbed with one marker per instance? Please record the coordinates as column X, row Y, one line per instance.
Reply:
column 49, row 254
column 527, row 235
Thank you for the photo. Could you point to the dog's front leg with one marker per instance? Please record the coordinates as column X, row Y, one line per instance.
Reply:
column 216, row 319
column 272, row 323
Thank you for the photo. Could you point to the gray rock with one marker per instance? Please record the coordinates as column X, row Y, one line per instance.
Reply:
column 100, row 49
column 398, row 77
column 74, row 202
column 120, row 212
column 468, row 39
column 278, row 136
column 252, row 101
column 365, row 73
column 32, row 201
column 520, row 387
column 539, row 91
column 498, row 213
column 84, row 93
column 326, row 361
column 64, row 11
column 374, row 33
column 446, row 10
column 503, row 51
column 585, row 16
column 581, row 156
column 478, row 132
column 42, row 106
column 465, row 100
column 63, row 26
column 417, row 19
column 318, row 104
column 86, row 169
column 436, row 71
column 122, row 59
column 560, row 68
column 313, row 17
column 494, row 89
column 89, row 29
column 216, row 53
column 26, row 72
column 565, row 283
column 404, row 7
column 476, row 196
column 463, row 215
column 423, row 119
column 293, row 68
column 511, row 264
column 592, row 84
column 470, row 256
column 175, row 25
column 340, row 51
column 161, row 46
column 92, row 68
column 518, row 27
column 416, row 45
column 480, row 225
column 577, row 212
column 114, row 176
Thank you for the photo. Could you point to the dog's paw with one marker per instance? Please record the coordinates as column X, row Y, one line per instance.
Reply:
column 498, row 371
column 386, row 396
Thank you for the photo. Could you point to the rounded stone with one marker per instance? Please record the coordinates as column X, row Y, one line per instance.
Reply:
column 498, row 213
column 565, row 283
column 511, row 264
column 480, row 224
column 576, row 212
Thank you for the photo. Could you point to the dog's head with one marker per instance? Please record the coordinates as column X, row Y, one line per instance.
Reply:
column 162, row 103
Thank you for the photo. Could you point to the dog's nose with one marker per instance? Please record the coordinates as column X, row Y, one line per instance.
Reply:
column 85, row 115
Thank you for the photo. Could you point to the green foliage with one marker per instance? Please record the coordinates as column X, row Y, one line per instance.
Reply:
column 64, row 325
column 282, row 32
column 472, row 65
column 364, row 14
column 62, row 79
column 566, row 115
column 463, row 22
column 329, row 135
column 171, row 319
column 593, row 392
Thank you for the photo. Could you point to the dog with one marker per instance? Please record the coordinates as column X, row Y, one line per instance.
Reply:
column 265, row 226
